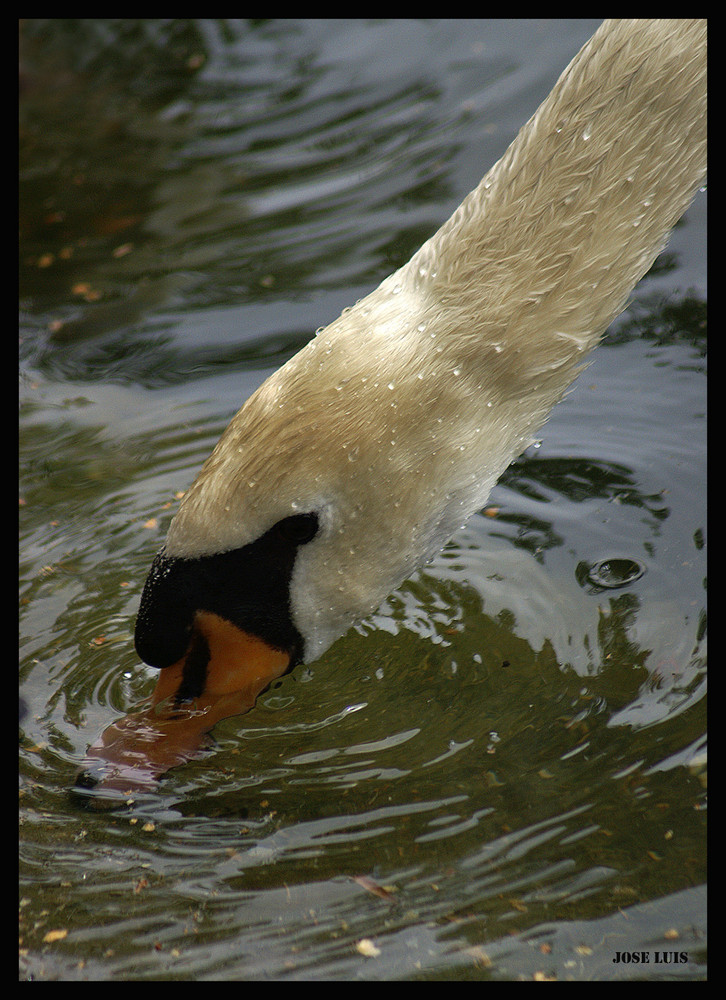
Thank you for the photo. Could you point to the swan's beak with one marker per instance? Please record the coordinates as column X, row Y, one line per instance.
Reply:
column 221, row 675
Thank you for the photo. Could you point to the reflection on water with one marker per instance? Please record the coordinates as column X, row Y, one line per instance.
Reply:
column 502, row 768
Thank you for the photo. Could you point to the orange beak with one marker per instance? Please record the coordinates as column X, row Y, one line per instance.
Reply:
column 133, row 753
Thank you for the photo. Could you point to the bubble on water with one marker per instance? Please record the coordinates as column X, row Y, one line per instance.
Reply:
column 609, row 574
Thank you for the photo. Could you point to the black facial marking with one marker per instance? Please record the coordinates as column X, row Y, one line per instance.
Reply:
column 194, row 674
column 249, row 587
column 299, row 529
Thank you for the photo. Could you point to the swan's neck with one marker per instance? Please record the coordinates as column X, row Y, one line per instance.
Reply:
column 544, row 253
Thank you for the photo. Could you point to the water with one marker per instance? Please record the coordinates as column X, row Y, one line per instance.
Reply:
column 501, row 774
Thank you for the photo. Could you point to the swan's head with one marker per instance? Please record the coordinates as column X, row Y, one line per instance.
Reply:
column 336, row 479
column 347, row 469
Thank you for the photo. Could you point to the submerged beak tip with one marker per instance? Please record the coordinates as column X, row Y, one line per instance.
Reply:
column 101, row 785
column 190, row 698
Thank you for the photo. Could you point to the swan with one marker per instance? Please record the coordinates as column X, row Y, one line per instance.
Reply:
column 356, row 461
